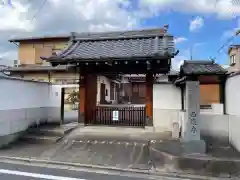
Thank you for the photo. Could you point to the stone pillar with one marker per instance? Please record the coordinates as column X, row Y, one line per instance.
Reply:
column 191, row 124
column 149, row 98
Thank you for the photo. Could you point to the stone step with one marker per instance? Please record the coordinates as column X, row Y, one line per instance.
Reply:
column 46, row 132
column 223, row 151
column 40, row 139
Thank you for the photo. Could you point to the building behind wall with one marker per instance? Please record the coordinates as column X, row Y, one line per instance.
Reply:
column 30, row 66
column 234, row 58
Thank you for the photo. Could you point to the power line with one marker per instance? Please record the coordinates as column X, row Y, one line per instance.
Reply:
column 233, row 2
column 35, row 15
column 226, row 43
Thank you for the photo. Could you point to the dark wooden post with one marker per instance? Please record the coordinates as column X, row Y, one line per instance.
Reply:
column 62, row 105
column 149, row 98
column 90, row 97
column 82, row 93
column 222, row 92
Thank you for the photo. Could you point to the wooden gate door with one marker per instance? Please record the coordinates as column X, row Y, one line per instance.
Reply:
column 62, row 105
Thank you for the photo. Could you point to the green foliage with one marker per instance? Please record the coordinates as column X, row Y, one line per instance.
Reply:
column 73, row 97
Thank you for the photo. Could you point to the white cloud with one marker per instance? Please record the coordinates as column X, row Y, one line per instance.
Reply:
column 180, row 40
column 185, row 54
column 196, row 24
column 13, row 17
column 178, row 61
column 220, row 8
column 61, row 17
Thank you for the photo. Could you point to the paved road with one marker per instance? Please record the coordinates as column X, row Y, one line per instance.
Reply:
column 10, row 171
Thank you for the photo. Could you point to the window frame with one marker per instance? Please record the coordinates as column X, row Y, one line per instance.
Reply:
column 233, row 59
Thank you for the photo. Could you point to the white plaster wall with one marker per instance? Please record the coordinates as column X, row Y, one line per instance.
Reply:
column 232, row 95
column 23, row 103
column 221, row 127
column 54, row 103
column 234, row 133
column 17, row 94
column 232, row 108
column 166, row 106
column 216, row 126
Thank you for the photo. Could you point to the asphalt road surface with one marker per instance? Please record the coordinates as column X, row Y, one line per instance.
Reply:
column 24, row 172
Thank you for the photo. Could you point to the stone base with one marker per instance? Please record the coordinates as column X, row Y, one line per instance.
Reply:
column 80, row 117
column 193, row 147
column 149, row 121
column 7, row 139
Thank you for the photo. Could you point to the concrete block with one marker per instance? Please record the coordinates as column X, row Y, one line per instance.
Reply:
column 193, row 147
column 7, row 139
column 40, row 139
column 218, row 167
column 191, row 164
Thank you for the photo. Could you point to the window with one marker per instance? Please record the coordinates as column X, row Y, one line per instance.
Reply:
column 233, row 59
column 40, row 51
column 112, row 91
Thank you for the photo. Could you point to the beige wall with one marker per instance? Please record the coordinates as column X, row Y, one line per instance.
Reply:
column 55, row 76
column 29, row 52
column 209, row 94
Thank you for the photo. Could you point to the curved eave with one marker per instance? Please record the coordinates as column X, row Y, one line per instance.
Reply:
column 205, row 73
column 62, row 60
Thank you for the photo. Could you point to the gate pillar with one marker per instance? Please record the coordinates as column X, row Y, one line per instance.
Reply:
column 82, row 97
column 88, row 97
column 149, row 98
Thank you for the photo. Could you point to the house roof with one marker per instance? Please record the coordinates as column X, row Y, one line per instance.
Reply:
column 39, row 38
column 233, row 46
column 119, row 45
column 201, row 68
column 37, row 68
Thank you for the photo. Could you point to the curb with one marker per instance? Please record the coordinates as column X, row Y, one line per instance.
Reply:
column 110, row 168
column 196, row 165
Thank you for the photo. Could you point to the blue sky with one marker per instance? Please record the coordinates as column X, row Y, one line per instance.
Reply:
column 203, row 25
column 205, row 41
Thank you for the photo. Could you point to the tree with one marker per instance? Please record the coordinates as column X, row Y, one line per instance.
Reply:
column 73, row 97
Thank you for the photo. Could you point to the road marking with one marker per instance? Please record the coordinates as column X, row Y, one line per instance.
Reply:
column 34, row 175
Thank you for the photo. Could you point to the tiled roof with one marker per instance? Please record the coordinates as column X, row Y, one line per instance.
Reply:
column 117, row 45
column 201, row 68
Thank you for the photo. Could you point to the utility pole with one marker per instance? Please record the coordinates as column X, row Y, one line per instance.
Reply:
column 191, row 53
